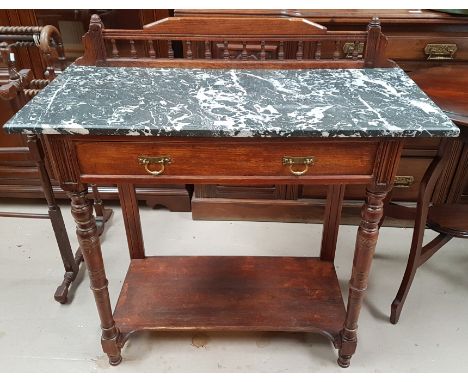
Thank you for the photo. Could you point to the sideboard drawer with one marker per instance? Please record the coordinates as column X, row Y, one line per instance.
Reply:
column 223, row 158
column 423, row 47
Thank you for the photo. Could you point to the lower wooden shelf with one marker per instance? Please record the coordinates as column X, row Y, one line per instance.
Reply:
column 231, row 293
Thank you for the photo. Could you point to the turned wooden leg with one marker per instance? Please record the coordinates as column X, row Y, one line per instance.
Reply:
column 88, row 238
column 366, row 240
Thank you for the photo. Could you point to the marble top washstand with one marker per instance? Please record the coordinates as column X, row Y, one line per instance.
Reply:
column 233, row 102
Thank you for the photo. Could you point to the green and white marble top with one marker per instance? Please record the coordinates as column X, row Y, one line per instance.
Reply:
column 233, row 102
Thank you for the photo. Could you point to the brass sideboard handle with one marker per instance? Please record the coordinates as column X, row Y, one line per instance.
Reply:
column 292, row 161
column 353, row 49
column 146, row 161
column 440, row 51
column 403, row 181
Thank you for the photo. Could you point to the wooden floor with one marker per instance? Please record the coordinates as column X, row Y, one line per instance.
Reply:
column 231, row 293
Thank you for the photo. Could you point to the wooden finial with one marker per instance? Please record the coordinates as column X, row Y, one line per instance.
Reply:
column 93, row 42
column 374, row 23
column 95, row 22
column 375, row 44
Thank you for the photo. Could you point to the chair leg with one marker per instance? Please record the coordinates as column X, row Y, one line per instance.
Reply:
column 414, row 262
column 426, row 190
column 397, row 304
column 61, row 294
column 70, row 263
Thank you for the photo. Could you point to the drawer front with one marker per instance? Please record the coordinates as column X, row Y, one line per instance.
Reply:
column 428, row 48
column 230, row 159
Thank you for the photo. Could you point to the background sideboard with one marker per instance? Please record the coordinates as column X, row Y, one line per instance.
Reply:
column 416, row 40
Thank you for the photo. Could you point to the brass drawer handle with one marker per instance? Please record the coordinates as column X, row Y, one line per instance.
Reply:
column 440, row 51
column 294, row 161
column 403, row 181
column 161, row 161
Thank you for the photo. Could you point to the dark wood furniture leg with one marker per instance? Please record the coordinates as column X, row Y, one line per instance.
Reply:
column 419, row 254
column 131, row 216
column 331, row 224
column 70, row 262
column 366, row 240
column 103, row 214
column 88, row 238
column 14, row 93
column 386, row 204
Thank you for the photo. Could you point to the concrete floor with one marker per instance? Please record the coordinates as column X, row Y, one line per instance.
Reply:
column 39, row 335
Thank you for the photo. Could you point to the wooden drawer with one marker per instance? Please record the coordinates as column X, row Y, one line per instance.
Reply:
column 230, row 158
column 413, row 47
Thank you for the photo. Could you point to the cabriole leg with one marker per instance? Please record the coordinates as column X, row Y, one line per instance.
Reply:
column 88, row 238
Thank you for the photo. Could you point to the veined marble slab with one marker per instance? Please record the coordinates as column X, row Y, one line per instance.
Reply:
column 233, row 102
